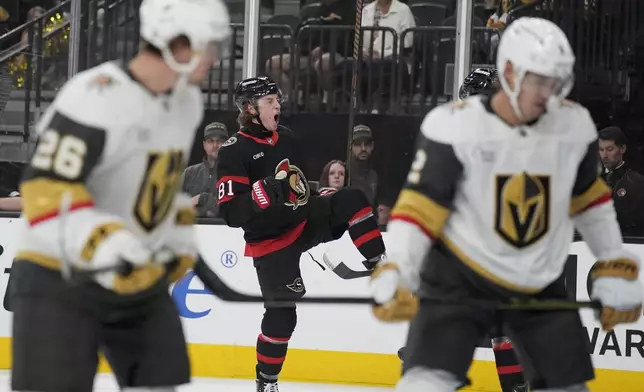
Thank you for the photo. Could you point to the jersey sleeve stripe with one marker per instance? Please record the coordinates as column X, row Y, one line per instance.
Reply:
column 596, row 194
column 42, row 198
column 186, row 216
column 237, row 179
column 98, row 235
column 414, row 207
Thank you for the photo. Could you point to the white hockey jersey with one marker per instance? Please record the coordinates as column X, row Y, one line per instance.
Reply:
column 117, row 152
column 502, row 199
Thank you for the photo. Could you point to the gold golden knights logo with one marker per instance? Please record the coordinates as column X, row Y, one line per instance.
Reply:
column 159, row 188
column 522, row 208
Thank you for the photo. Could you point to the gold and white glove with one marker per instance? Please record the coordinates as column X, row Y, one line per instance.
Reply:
column 394, row 302
column 121, row 246
column 616, row 284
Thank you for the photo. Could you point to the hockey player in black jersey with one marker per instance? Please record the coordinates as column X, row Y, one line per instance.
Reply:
column 262, row 189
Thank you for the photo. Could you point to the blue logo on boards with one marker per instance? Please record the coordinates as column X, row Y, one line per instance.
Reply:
column 180, row 293
column 229, row 259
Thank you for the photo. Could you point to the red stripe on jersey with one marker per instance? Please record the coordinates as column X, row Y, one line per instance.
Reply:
column 407, row 218
column 509, row 369
column 360, row 214
column 262, row 248
column 366, row 237
column 601, row 200
column 503, row 346
column 269, row 141
column 54, row 214
column 238, row 179
column 270, row 360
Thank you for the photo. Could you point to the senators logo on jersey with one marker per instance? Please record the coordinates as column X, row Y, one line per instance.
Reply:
column 522, row 208
column 296, row 180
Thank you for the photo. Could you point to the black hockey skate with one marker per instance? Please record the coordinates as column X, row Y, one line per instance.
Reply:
column 266, row 386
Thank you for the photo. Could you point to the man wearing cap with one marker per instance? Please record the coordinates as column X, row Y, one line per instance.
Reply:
column 362, row 175
column 200, row 180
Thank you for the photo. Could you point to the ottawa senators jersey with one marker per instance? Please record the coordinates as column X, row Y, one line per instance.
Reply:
column 501, row 199
column 115, row 152
column 250, row 155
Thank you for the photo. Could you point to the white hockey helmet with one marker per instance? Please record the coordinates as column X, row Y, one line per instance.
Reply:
column 539, row 46
column 201, row 21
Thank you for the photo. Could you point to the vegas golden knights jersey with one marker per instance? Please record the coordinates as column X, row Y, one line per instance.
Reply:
column 502, row 199
column 116, row 152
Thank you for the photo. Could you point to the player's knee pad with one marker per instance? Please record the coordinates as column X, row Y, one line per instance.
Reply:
column 348, row 201
column 572, row 388
column 279, row 322
column 422, row 379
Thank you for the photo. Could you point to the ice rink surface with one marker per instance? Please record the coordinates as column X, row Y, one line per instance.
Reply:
column 106, row 383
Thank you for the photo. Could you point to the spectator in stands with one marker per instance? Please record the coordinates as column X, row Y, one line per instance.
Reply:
column 499, row 19
column 10, row 200
column 627, row 185
column 333, row 175
column 361, row 173
column 379, row 58
column 331, row 13
column 200, row 180
column 389, row 14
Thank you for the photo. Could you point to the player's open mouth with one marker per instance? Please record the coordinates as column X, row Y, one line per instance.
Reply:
column 277, row 117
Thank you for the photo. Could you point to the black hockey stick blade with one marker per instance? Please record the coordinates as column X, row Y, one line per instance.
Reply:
column 343, row 271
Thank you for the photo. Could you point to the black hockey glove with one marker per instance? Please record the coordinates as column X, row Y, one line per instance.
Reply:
column 271, row 192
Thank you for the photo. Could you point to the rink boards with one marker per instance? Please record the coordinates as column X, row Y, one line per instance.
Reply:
column 333, row 344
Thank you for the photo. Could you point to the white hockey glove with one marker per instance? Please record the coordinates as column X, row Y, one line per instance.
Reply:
column 616, row 284
column 393, row 301
column 117, row 248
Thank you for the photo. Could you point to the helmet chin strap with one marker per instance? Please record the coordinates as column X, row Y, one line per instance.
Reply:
column 514, row 94
column 182, row 69
column 259, row 120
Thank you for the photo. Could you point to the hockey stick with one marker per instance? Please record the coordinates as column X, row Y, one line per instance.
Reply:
column 224, row 292
column 357, row 37
column 341, row 269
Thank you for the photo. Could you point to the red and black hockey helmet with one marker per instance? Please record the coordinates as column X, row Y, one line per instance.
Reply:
column 480, row 81
column 248, row 91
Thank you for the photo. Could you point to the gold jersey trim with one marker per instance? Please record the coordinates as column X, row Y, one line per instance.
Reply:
column 422, row 210
column 596, row 192
column 42, row 198
column 483, row 272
